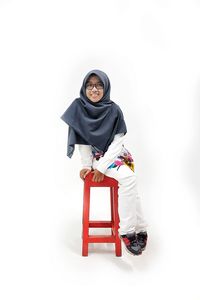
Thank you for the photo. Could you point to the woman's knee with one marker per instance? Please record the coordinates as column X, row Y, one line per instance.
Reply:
column 129, row 179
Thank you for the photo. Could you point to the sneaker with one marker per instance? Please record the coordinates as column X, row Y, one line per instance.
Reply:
column 142, row 239
column 130, row 241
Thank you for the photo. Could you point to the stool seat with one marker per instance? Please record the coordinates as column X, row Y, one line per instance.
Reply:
column 113, row 223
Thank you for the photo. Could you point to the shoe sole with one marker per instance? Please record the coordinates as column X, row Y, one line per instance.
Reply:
column 132, row 252
column 129, row 250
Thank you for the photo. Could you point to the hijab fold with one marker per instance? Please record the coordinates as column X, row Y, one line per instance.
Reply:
column 93, row 123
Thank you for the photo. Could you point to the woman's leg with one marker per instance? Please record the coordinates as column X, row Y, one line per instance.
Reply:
column 129, row 206
column 141, row 223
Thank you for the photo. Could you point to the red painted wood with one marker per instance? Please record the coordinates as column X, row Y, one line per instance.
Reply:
column 113, row 224
column 101, row 239
column 100, row 224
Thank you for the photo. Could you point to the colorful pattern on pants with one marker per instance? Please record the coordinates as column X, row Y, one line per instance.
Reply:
column 125, row 158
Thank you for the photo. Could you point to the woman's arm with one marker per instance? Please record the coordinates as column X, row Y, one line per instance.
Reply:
column 86, row 156
column 86, row 160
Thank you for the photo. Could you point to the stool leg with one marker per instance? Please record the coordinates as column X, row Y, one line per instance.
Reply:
column 86, row 208
column 112, row 209
column 118, row 250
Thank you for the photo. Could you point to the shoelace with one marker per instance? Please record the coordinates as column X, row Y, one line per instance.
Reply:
column 133, row 240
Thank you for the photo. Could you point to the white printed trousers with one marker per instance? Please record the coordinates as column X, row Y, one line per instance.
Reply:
column 129, row 204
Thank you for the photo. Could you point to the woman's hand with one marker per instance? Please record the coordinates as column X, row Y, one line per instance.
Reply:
column 98, row 176
column 84, row 172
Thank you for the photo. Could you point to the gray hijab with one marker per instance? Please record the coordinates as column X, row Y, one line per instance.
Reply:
column 92, row 123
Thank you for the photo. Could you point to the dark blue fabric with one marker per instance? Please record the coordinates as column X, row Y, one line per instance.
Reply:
column 92, row 123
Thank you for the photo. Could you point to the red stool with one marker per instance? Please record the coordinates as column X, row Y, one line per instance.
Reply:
column 113, row 224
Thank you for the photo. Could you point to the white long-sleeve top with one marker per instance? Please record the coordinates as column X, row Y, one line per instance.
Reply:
column 110, row 155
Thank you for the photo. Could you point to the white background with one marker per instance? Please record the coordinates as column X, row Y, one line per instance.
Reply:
column 150, row 50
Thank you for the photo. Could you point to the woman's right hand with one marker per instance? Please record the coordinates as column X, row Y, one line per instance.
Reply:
column 84, row 173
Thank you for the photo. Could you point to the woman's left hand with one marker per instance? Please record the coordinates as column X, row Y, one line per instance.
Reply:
column 98, row 176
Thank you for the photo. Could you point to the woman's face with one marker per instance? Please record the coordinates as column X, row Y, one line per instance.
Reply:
column 94, row 88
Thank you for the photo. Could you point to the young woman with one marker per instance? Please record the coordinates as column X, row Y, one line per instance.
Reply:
column 97, row 125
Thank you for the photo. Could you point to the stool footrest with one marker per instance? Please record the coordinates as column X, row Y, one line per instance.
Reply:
column 101, row 239
column 99, row 224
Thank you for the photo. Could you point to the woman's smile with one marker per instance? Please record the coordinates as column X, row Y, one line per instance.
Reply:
column 94, row 95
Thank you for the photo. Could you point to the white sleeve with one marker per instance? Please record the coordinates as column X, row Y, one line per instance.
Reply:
column 113, row 151
column 86, row 156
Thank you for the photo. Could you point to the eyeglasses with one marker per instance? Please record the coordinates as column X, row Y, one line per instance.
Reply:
column 98, row 86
